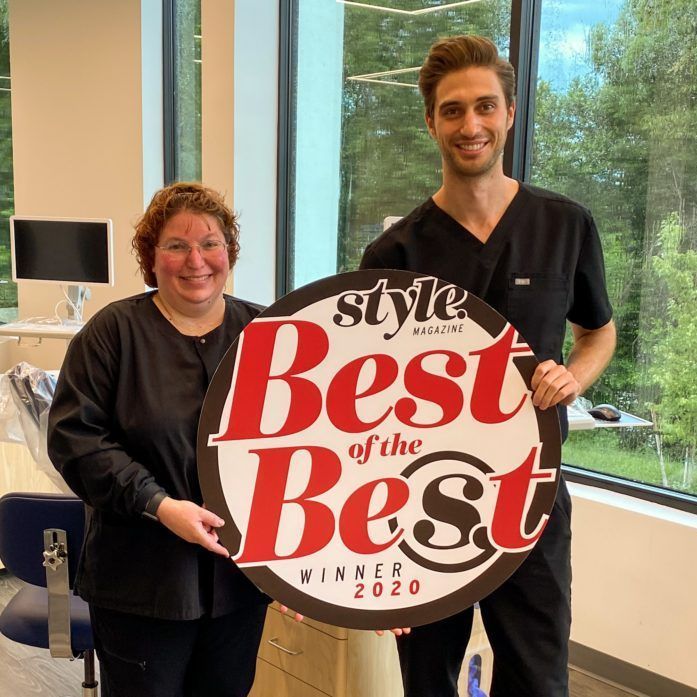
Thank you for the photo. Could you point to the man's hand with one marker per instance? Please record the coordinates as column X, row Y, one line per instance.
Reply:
column 592, row 349
column 553, row 383
column 192, row 523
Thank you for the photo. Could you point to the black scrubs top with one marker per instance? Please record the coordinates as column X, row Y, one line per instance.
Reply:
column 542, row 264
column 122, row 427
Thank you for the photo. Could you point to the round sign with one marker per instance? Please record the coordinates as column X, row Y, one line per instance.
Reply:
column 371, row 442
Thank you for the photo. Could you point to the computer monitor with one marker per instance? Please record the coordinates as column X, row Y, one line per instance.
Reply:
column 60, row 250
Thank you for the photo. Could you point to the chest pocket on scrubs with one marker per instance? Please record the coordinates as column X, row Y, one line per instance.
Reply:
column 537, row 306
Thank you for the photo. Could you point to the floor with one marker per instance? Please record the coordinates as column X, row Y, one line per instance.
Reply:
column 29, row 672
column 582, row 685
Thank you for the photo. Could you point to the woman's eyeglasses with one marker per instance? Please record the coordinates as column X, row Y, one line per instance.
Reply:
column 178, row 248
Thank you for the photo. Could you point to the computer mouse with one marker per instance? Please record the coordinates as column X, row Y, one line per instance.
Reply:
column 605, row 412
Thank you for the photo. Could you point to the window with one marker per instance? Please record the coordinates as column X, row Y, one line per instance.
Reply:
column 359, row 150
column 616, row 129
column 182, row 36
column 8, row 289
column 614, row 123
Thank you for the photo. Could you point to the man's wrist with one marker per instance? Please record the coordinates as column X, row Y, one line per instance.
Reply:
column 579, row 387
column 150, row 510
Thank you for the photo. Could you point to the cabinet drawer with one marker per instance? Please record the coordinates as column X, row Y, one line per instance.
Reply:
column 310, row 655
column 336, row 632
column 273, row 682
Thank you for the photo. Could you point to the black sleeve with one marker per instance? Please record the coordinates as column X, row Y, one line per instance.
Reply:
column 370, row 260
column 591, row 307
column 83, row 441
column 389, row 256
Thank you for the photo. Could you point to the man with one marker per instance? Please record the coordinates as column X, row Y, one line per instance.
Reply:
column 535, row 257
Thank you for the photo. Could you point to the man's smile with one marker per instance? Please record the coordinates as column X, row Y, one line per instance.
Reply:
column 471, row 147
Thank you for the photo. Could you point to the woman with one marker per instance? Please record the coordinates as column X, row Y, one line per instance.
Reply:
column 171, row 614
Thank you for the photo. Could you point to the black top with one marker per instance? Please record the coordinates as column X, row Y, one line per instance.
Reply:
column 122, row 427
column 542, row 264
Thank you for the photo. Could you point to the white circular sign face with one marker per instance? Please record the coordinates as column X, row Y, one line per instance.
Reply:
column 371, row 442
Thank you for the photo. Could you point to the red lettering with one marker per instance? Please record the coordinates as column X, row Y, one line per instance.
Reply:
column 432, row 388
column 488, row 382
column 354, row 518
column 342, row 392
column 254, row 376
column 269, row 499
column 508, row 525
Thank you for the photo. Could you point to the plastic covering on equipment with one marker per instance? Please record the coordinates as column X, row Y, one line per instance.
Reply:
column 26, row 393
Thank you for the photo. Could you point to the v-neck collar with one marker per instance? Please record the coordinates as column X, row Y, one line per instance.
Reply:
column 490, row 249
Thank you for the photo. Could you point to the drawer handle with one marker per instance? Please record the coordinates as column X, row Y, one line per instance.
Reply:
column 274, row 642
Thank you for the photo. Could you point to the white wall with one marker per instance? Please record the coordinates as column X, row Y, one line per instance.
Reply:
column 217, row 96
column 634, row 591
column 86, row 131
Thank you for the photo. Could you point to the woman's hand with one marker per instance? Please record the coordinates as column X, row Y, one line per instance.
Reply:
column 397, row 631
column 192, row 523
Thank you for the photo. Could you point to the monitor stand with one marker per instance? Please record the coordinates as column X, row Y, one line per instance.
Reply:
column 77, row 296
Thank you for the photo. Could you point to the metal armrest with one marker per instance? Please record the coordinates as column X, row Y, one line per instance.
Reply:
column 58, row 586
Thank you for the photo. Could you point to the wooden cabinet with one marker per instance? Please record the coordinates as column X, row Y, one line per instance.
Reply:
column 312, row 659
column 273, row 682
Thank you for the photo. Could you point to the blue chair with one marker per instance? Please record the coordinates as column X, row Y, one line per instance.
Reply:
column 40, row 540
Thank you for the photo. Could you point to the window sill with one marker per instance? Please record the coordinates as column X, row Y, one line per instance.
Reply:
column 633, row 496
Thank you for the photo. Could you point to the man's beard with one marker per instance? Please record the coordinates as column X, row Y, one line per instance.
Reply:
column 470, row 170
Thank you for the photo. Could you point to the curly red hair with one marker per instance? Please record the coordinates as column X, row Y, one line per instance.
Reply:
column 166, row 203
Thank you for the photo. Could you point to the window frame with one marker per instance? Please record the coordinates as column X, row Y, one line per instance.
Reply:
column 9, row 311
column 524, row 55
column 168, row 92
column 171, row 144
column 524, row 52
column 286, row 107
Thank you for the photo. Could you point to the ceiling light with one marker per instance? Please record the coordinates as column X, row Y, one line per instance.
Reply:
column 379, row 77
column 422, row 11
